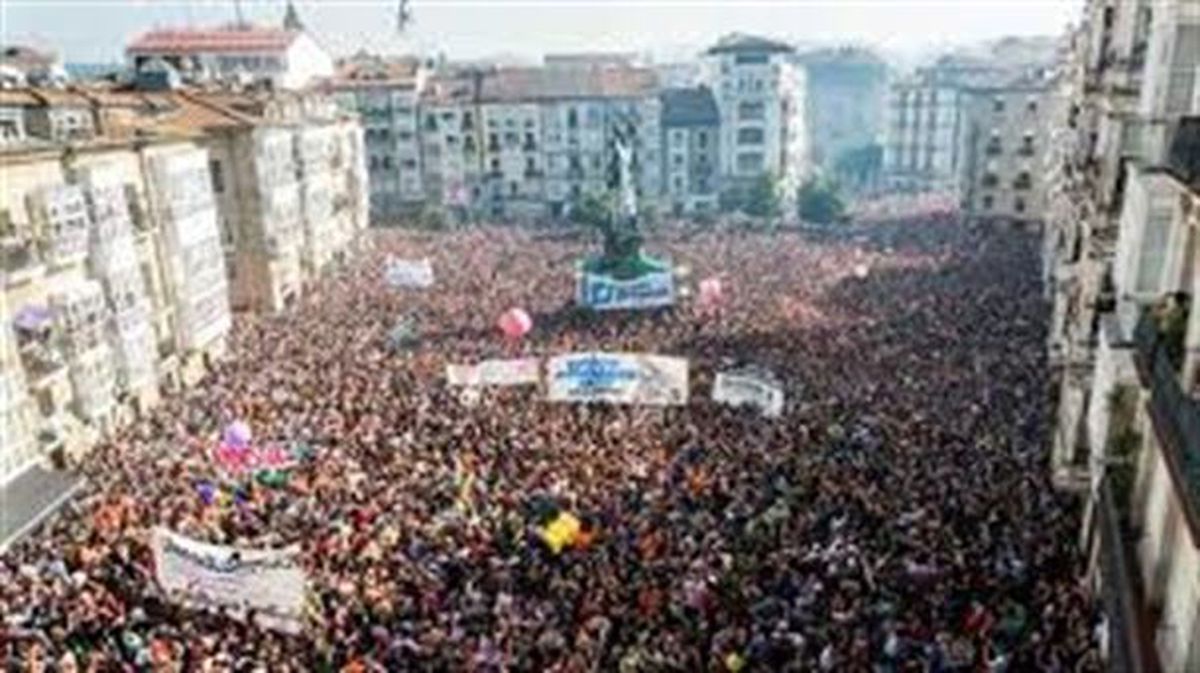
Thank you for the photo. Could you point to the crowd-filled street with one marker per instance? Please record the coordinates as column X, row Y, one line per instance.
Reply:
column 898, row 516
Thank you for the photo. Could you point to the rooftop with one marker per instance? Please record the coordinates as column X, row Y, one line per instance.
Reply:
column 232, row 39
column 739, row 42
column 375, row 71
column 691, row 106
column 533, row 84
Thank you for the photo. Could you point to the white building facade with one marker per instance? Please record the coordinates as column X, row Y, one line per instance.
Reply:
column 761, row 94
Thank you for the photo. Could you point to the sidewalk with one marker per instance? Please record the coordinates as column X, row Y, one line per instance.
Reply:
column 31, row 497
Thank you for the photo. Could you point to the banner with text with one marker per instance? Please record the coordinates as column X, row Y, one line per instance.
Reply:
column 618, row 378
column 514, row 372
column 749, row 388
column 409, row 273
column 268, row 581
column 607, row 293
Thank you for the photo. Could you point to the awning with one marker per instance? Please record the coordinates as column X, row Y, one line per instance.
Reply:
column 31, row 497
column 33, row 317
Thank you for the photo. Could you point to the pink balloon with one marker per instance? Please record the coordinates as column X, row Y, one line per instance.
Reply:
column 515, row 323
column 237, row 434
column 711, row 292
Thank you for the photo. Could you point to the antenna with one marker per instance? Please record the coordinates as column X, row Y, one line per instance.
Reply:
column 403, row 16
column 237, row 9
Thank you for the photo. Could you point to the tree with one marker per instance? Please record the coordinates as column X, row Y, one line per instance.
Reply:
column 590, row 211
column 860, row 165
column 762, row 200
column 818, row 201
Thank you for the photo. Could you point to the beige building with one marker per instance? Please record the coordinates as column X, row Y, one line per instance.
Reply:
column 123, row 252
column 1121, row 266
column 99, row 315
column 1004, row 148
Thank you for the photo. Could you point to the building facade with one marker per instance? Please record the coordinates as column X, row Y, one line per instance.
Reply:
column 1005, row 139
column 385, row 93
column 287, row 58
column 1120, row 260
column 847, row 88
column 924, row 131
column 761, row 93
column 691, row 125
column 529, row 143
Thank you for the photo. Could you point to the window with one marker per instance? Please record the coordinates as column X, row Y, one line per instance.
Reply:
column 530, row 166
column 1026, row 145
column 750, row 162
column 572, row 118
column 495, row 165
column 752, row 110
column 750, row 59
column 750, row 136
column 701, row 139
column 678, row 182
column 387, row 163
column 530, row 142
column 1019, row 204
column 1031, row 105
column 677, row 138
column 468, row 121
column 677, row 159
column 493, row 142
column 990, row 180
column 218, row 179
column 987, row 202
column 997, row 105
column 1023, row 180
column 512, row 188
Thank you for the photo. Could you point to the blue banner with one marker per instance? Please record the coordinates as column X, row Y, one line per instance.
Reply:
column 607, row 293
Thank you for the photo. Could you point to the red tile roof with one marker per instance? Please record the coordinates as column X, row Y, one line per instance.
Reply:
column 224, row 40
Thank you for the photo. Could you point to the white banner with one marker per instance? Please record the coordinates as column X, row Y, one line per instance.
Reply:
column 606, row 293
column 409, row 273
column 515, row 372
column 738, row 388
column 619, row 378
column 268, row 581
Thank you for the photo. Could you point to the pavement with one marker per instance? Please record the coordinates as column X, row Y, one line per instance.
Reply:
column 31, row 497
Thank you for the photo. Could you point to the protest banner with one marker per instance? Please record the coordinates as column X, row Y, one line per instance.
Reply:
column 603, row 293
column 239, row 460
column 409, row 273
column 751, row 388
column 205, row 576
column 618, row 378
column 514, row 372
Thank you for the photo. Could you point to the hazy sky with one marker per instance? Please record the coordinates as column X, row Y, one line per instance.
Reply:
column 96, row 30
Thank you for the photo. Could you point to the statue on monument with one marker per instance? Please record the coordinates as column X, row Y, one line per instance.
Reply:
column 621, row 236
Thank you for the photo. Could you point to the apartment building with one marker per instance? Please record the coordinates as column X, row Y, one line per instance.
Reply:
column 384, row 92
column 691, row 126
column 285, row 56
column 96, row 323
column 847, row 88
column 124, row 250
column 761, row 93
column 1121, row 264
column 1005, row 138
column 530, row 142
column 924, row 129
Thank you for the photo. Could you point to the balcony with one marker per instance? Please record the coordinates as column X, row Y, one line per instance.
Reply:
column 1131, row 645
column 22, row 260
column 1175, row 413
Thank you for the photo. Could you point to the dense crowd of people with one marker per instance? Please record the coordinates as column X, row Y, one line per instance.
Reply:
column 898, row 517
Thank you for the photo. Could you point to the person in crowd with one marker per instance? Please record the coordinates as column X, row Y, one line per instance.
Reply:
column 897, row 517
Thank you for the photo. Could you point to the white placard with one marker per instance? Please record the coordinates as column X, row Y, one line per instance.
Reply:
column 739, row 388
column 514, row 372
column 618, row 378
column 409, row 273
column 268, row 581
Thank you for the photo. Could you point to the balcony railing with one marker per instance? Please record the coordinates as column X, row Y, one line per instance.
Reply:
column 1131, row 648
column 1175, row 415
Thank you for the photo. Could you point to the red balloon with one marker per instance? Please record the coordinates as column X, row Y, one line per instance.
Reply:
column 515, row 323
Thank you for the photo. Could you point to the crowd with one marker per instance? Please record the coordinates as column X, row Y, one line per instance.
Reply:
column 898, row 517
